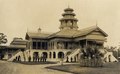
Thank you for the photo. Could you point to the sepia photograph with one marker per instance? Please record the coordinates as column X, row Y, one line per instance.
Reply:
column 59, row 36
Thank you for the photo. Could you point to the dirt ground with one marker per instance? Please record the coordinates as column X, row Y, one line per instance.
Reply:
column 17, row 68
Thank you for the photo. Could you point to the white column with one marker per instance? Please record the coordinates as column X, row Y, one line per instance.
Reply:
column 31, row 44
column 56, row 55
column 55, row 45
column 51, row 55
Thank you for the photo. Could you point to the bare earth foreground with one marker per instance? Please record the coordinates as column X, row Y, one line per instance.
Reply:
column 17, row 68
column 108, row 68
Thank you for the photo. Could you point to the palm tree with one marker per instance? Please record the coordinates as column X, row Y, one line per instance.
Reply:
column 91, row 54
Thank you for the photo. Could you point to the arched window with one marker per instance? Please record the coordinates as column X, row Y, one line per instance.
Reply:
column 54, row 55
column 50, row 54
column 60, row 55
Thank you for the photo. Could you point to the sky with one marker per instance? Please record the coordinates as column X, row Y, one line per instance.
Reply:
column 19, row 16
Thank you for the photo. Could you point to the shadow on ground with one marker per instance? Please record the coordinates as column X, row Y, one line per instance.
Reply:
column 36, row 63
column 108, row 68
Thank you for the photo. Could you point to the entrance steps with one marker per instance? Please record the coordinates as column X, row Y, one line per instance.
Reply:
column 72, row 56
column 17, row 53
column 22, row 55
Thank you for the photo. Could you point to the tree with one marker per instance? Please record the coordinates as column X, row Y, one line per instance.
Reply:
column 92, row 56
column 3, row 38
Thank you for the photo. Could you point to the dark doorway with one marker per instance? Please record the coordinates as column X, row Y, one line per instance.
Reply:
column 54, row 55
column 35, row 56
column 45, row 54
column 50, row 55
column 60, row 55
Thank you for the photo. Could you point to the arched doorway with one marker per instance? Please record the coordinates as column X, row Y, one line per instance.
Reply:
column 35, row 56
column 60, row 55
column 54, row 55
column 44, row 56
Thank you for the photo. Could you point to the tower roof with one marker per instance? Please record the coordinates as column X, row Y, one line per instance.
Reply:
column 68, row 9
column 67, row 18
column 67, row 13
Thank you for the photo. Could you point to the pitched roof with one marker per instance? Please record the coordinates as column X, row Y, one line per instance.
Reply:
column 16, row 46
column 18, row 41
column 37, row 35
column 68, row 33
column 88, row 30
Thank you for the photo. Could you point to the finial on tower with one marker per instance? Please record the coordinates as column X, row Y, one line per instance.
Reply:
column 68, row 6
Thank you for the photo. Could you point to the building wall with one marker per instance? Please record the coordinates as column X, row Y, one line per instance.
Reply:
column 52, row 55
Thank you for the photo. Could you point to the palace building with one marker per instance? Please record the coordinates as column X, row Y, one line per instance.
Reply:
column 64, row 44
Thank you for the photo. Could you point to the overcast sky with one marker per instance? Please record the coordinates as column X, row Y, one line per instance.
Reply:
column 18, row 15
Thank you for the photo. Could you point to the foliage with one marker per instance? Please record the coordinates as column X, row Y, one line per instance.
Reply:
column 91, row 57
column 3, row 38
column 91, row 53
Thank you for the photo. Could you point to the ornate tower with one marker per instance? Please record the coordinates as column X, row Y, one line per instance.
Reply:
column 68, row 21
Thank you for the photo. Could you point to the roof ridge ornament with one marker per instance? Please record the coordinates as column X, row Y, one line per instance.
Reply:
column 39, row 29
column 27, row 30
